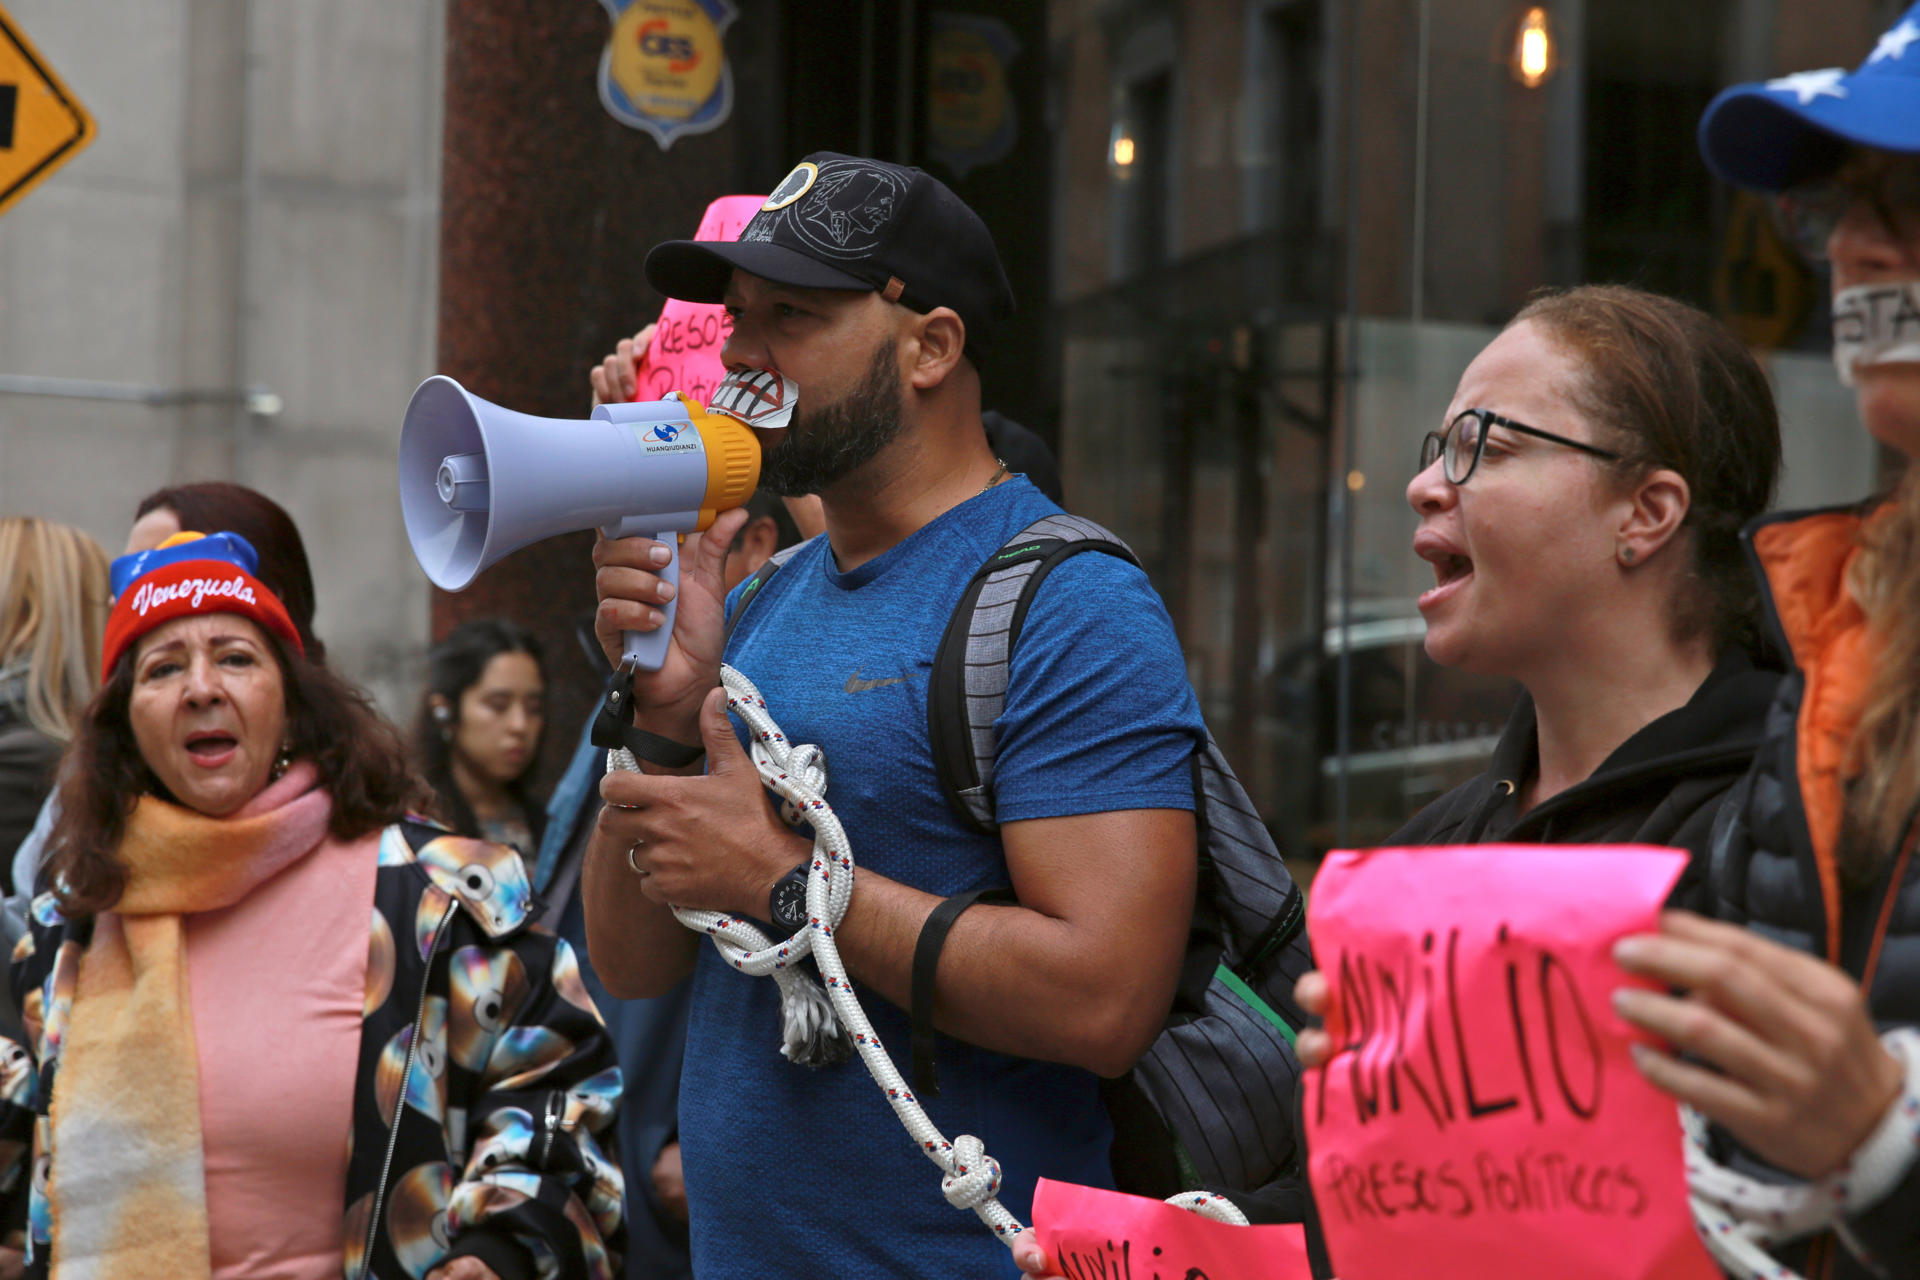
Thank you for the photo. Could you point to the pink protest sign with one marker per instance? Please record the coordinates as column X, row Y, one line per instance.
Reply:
column 1482, row 1116
column 1104, row 1235
column 685, row 352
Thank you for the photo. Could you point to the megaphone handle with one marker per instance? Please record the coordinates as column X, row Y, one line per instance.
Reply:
column 646, row 650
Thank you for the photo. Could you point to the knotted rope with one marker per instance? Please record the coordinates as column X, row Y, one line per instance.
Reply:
column 811, row 1027
column 1741, row 1218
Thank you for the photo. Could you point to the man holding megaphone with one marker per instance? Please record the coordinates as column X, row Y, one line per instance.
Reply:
column 867, row 293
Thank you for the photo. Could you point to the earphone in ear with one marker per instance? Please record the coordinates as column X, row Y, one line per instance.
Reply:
column 443, row 714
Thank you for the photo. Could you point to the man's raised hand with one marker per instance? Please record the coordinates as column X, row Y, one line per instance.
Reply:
column 631, row 596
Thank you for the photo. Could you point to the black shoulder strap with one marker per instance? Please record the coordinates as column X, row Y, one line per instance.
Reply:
column 761, row 576
column 967, row 689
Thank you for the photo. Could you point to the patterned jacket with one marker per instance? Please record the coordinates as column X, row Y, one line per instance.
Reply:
column 484, row 1076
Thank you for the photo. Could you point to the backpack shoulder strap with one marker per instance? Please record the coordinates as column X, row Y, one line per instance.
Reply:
column 967, row 688
column 760, row 577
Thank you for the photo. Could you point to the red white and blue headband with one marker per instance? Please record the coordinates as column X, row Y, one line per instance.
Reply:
column 189, row 574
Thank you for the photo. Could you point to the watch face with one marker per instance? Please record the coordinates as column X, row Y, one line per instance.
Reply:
column 790, row 903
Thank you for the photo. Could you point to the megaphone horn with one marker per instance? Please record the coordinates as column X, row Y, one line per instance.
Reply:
column 478, row 482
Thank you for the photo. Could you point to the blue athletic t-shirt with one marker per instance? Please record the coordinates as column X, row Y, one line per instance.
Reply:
column 796, row 1172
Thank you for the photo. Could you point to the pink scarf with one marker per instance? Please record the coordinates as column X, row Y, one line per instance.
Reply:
column 127, row 1188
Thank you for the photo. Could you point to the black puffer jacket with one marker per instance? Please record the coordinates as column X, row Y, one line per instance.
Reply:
column 1773, row 864
column 1662, row 786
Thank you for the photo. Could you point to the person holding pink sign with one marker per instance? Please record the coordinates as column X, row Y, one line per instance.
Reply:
column 1636, row 435
column 1798, row 1029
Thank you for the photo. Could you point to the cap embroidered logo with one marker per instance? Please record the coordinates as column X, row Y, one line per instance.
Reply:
column 793, row 186
column 851, row 206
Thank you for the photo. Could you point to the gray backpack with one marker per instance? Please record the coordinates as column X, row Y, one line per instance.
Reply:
column 1211, row 1102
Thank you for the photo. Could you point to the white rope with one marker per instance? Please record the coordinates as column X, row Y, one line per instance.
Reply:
column 1742, row 1218
column 798, row 775
column 1210, row 1204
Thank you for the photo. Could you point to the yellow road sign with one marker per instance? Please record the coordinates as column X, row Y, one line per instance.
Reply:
column 42, row 125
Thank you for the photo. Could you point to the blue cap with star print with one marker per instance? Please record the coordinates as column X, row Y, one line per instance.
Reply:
column 1776, row 134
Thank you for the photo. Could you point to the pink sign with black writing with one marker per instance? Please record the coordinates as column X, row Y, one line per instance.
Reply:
column 1103, row 1235
column 685, row 352
column 1482, row 1116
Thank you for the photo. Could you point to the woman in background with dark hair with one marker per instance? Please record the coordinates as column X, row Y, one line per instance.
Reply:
column 479, row 730
column 216, row 504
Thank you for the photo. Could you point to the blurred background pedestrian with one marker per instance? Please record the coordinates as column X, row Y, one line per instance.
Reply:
column 479, row 729
column 53, row 610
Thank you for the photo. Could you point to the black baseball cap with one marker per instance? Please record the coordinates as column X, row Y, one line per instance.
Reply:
column 847, row 222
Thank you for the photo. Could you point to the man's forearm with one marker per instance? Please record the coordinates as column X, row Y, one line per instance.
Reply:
column 1010, row 979
column 637, row 947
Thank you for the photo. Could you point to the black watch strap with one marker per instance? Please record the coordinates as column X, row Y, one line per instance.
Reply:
column 613, row 727
column 926, row 964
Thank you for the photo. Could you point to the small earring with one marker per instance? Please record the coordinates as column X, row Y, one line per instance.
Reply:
column 284, row 761
column 1626, row 555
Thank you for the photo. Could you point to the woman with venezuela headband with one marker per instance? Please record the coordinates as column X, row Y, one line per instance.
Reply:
column 273, row 1028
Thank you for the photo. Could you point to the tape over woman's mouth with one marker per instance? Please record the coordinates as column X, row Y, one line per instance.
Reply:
column 1875, row 324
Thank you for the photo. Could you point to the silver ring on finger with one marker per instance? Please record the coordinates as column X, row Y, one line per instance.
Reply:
column 637, row 868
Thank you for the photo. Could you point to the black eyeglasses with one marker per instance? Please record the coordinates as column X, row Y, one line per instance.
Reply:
column 1890, row 186
column 1465, row 439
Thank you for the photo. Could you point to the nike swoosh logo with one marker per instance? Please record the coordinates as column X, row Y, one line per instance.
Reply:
column 856, row 685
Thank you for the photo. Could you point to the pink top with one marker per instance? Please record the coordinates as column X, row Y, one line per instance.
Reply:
column 278, row 981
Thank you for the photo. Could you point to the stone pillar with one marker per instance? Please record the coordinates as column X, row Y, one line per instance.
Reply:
column 548, row 208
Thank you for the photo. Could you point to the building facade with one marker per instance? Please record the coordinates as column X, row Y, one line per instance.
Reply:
column 1254, row 243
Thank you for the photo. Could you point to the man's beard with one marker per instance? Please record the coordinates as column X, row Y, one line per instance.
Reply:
column 826, row 445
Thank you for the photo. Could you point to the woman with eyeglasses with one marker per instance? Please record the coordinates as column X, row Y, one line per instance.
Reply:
column 1580, row 507
column 1795, row 1045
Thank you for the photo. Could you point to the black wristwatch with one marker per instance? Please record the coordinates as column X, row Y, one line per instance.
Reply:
column 787, row 904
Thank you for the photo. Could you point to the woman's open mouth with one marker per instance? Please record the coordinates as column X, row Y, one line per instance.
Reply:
column 212, row 749
column 1450, row 571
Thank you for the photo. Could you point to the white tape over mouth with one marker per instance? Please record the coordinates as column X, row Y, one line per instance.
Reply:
column 757, row 397
column 1876, row 324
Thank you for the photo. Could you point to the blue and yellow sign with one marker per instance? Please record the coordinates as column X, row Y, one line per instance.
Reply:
column 665, row 69
column 970, row 110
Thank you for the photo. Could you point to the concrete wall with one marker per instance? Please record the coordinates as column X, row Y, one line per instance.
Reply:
column 260, row 210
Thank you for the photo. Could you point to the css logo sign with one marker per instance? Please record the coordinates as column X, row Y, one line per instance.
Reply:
column 657, row 41
column 665, row 67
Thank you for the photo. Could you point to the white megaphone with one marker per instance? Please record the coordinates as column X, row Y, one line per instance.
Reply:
column 478, row 481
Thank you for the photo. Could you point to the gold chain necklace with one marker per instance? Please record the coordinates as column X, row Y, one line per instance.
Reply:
column 995, row 478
